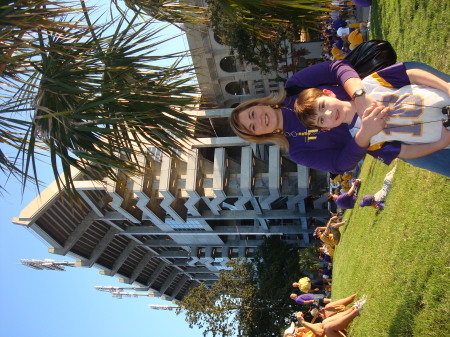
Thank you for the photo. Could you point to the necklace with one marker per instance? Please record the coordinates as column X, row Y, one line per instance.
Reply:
column 308, row 134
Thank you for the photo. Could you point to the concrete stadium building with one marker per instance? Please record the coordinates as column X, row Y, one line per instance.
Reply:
column 178, row 224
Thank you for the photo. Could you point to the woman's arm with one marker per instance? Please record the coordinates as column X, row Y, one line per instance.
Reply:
column 395, row 75
column 337, row 225
column 324, row 73
column 329, row 222
column 411, row 151
column 362, row 102
column 315, row 328
column 419, row 76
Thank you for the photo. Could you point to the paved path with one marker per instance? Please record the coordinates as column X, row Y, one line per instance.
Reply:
column 363, row 13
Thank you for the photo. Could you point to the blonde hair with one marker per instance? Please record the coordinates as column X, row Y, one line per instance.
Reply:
column 244, row 133
column 306, row 108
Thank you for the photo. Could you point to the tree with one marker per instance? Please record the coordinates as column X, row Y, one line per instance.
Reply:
column 19, row 22
column 250, row 300
column 213, row 308
column 169, row 11
column 308, row 260
column 91, row 96
column 257, row 30
column 276, row 265
column 233, row 30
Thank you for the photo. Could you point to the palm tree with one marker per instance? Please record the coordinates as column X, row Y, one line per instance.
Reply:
column 97, row 96
column 262, row 17
column 169, row 11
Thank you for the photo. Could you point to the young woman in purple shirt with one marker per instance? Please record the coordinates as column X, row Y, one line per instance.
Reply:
column 272, row 119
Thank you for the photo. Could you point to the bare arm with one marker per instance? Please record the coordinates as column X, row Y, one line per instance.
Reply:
column 419, row 76
column 315, row 328
column 337, row 225
column 331, row 221
column 411, row 151
column 362, row 102
column 333, row 218
column 353, row 188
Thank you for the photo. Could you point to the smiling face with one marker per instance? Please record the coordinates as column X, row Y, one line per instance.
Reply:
column 331, row 112
column 261, row 119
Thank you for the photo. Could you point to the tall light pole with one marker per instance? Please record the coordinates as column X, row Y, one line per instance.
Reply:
column 47, row 264
column 163, row 307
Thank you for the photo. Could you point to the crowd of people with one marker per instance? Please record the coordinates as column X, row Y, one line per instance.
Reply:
column 329, row 118
column 340, row 31
column 315, row 293
column 333, row 316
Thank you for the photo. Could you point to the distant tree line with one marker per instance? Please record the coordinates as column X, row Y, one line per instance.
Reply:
column 252, row 299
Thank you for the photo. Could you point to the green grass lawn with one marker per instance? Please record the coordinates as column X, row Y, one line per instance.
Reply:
column 419, row 30
column 400, row 257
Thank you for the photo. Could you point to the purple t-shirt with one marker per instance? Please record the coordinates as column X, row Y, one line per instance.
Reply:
column 346, row 201
column 304, row 297
column 334, row 150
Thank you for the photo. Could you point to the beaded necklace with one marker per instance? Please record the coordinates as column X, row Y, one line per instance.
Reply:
column 308, row 134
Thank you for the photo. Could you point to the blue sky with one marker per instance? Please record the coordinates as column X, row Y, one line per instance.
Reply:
column 54, row 304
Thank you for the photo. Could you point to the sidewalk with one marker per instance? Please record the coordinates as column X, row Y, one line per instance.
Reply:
column 363, row 13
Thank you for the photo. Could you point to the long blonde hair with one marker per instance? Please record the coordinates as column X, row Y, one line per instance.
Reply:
column 244, row 133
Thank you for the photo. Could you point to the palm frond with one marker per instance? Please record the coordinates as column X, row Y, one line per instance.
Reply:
column 169, row 11
column 98, row 99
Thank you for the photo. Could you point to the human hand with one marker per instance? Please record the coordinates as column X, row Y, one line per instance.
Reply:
column 445, row 137
column 365, row 102
column 374, row 118
column 373, row 121
column 299, row 316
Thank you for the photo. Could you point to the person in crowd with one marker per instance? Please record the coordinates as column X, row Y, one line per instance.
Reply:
column 415, row 115
column 363, row 3
column 346, row 200
column 325, row 256
column 377, row 200
column 273, row 119
column 331, row 231
column 333, row 326
column 326, row 272
column 328, row 252
column 306, row 285
column 310, row 299
column 355, row 38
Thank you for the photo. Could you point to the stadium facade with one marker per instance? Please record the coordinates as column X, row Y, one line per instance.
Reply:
column 178, row 224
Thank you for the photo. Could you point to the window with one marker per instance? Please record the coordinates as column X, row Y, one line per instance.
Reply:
column 237, row 88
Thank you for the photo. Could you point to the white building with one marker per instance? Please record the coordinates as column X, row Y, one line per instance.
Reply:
column 179, row 224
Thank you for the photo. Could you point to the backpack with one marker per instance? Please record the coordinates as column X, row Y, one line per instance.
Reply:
column 367, row 58
column 371, row 56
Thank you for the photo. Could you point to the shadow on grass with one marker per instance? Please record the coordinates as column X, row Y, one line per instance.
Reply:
column 375, row 22
column 403, row 324
column 414, row 315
